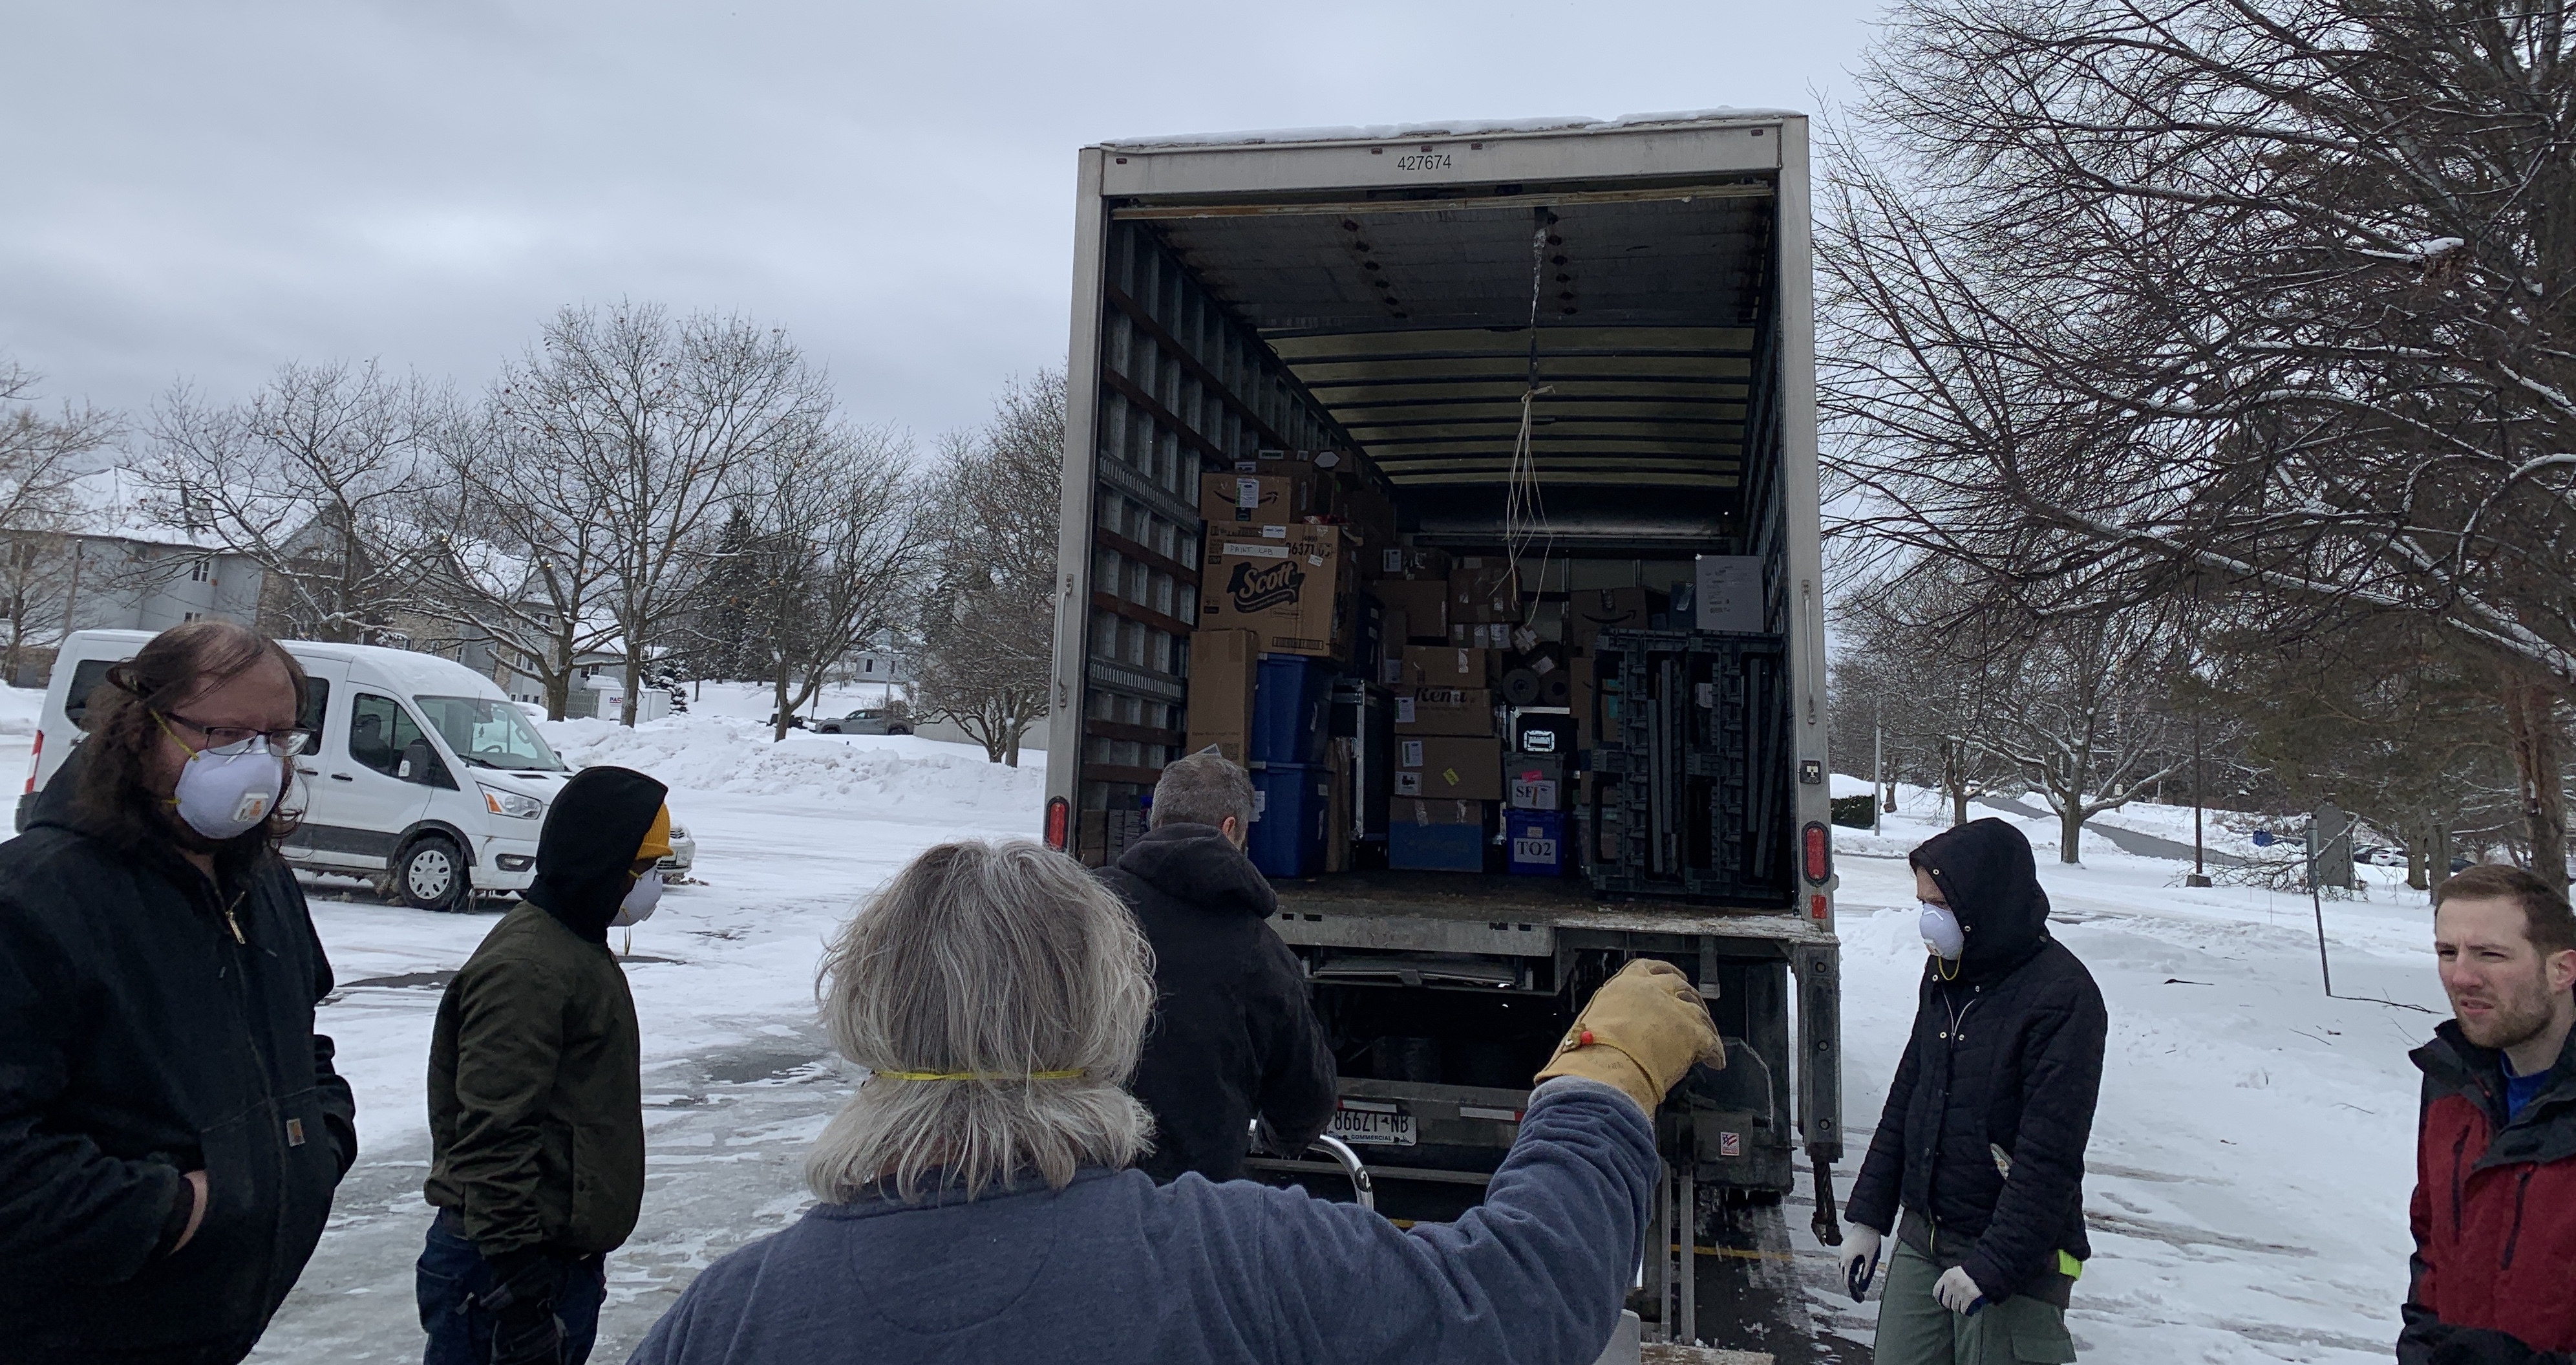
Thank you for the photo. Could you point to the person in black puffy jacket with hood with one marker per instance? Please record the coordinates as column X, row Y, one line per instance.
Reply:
column 1982, row 1142
column 1233, row 1035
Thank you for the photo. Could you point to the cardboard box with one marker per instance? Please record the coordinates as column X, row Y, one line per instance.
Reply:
column 1410, row 811
column 1441, row 666
column 1465, row 711
column 1533, row 783
column 1438, row 767
column 1295, row 589
column 1417, row 564
column 1424, row 606
column 1223, row 664
column 1727, row 593
column 1268, row 498
column 1492, row 635
column 1484, row 588
column 1600, row 609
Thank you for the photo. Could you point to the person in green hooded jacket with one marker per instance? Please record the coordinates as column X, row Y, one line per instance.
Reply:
column 536, row 1115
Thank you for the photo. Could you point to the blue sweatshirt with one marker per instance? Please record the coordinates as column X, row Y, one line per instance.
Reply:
column 1113, row 1268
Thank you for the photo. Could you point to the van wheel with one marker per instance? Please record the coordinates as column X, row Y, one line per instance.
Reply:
column 431, row 875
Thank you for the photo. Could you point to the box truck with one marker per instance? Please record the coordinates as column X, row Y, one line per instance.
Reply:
column 1463, row 480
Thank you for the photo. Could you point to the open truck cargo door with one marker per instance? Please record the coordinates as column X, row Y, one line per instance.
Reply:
column 1462, row 480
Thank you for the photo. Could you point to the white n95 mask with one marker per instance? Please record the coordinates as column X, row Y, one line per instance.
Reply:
column 640, row 900
column 223, row 795
column 1941, row 932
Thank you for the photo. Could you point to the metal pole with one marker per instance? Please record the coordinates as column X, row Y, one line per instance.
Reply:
column 2325, row 968
column 1691, row 1240
column 1877, row 765
column 2199, row 872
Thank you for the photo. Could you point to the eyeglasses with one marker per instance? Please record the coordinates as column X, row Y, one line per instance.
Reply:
column 225, row 741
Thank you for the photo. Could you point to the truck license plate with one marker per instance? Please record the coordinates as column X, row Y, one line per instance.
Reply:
column 1371, row 1127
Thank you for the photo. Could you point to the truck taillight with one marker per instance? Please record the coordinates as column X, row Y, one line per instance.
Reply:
column 1059, row 816
column 35, row 762
column 1820, row 852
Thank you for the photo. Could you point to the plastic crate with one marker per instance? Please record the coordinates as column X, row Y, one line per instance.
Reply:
column 1290, row 801
column 1435, row 848
column 1694, row 797
column 1537, row 842
column 1290, row 694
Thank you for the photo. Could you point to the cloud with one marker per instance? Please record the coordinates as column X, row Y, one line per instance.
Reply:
column 206, row 191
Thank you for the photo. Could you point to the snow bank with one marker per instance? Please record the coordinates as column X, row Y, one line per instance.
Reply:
column 730, row 754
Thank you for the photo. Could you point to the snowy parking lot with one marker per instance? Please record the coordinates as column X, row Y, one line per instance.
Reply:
column 2250, row 1165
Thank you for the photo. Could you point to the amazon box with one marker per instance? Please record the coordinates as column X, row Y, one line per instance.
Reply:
column 1223, row 664
column 1441, row 666
column 1293, row 589
column 1467, row 711
column 1284, row 497
column 1425, row 606
column 1448, row 767
column 1600, row 609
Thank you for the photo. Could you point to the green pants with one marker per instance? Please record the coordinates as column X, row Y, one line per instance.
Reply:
column 1914, row 1329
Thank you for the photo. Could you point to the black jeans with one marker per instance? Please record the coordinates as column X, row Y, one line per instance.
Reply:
column 452, row 1271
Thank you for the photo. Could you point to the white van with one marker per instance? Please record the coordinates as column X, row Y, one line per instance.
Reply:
column 426, row 776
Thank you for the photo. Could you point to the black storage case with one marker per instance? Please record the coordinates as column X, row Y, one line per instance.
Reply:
column 1693, row 796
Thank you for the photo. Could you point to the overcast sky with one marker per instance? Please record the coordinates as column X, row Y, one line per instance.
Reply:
column 203, row 191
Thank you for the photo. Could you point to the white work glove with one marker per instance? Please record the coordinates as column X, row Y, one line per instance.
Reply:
column 1956, row 1291
column 1859, row 1257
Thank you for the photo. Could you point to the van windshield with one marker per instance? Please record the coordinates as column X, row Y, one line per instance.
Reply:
column 489, row 734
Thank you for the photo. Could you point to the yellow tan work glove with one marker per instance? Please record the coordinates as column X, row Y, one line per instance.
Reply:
column 1640, row 1032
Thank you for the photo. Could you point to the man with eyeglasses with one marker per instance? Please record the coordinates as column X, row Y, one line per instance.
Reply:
column 536, row 1103
column 171, row 1128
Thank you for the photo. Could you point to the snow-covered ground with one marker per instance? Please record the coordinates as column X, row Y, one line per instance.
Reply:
column 2253, row 1151
column 2250, row 1165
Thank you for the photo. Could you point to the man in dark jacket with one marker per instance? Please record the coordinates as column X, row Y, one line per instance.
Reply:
column 2494, row 1212
column 1233, row 1034
column 536, row 1108
column 1982, row 1142
column 171, row 1129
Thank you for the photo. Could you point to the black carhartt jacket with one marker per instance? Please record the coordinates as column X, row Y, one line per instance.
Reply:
column 152, row 1023
column 1991, row 1107
column 1233, row 1034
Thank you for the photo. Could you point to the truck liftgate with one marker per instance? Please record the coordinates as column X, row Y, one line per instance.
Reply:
column 1460, row 482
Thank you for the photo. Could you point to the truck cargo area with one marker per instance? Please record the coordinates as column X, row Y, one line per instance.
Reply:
column 1462, row 487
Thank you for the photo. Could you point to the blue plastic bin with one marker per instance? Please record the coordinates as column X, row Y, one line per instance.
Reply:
column 1289, row 698
column 1288, row 824
column 1537, row 840
column 1435, row 848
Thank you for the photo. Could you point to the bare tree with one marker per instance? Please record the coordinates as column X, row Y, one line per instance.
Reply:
column 988, row 621
column 319, row 479
column 835, row 555
column 524, row 550
column 2091, row 726
column 653, row 420
column 41, row 457
column 1932, row 662
column 2270, row 291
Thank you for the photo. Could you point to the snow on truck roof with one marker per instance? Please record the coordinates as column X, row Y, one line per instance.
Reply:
column 1405, row 132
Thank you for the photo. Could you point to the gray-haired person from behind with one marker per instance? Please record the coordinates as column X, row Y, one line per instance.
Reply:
column 1234, row 1036
column 978, row 1205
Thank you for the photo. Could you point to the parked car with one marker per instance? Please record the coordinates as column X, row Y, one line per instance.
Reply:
column 424, row 776
column 869, row 721
column 794, row 721
column 684, row 855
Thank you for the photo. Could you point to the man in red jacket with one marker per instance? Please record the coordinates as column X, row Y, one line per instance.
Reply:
column 2495, row 1158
